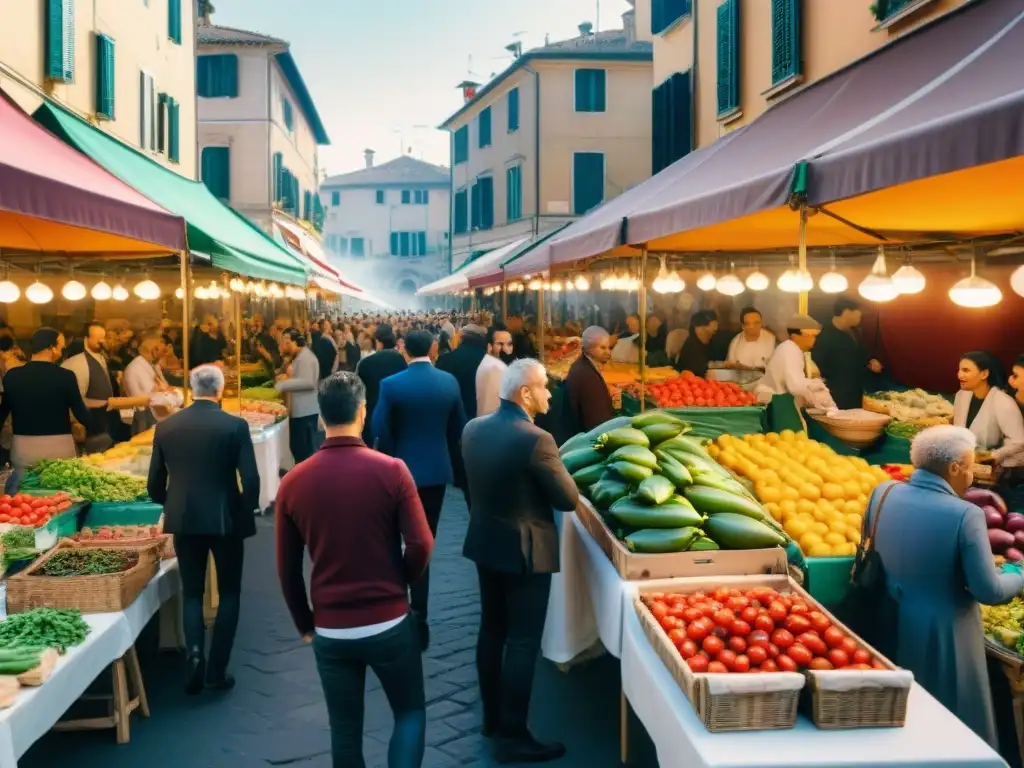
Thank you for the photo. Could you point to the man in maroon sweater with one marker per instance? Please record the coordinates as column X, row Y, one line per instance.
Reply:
column 353, row 508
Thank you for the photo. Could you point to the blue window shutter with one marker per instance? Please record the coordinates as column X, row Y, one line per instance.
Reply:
column 380, row 197
column 484, row 128
column 513, row 110
column 587, row 181
column 590, row 90
column 217, row 75
column 289, row 118
column 514, row 193
column 335, row 197
column 486, row 185
column 461, row 145
column 307, row 205
column 394, row 243
column 786, row 48
column 405, row 197
column 173, row 130
column 671, row 121
column 276, row 176
column 174, row 20
column 216, row 171
column 426, row 196
column 60, row 40
column 104, row 77
column 728, row 57
column 460, row 217
column 421, row 243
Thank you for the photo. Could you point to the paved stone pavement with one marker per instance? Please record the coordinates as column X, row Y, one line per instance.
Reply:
column 276, row 714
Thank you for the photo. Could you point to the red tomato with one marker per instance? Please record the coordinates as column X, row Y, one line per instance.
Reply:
column 773, row 651
column 737, row 603
column 698, row 630
column 876, row 664
column 860, row 656
column 698, row 663
column 677, row 636
column 785, row 663
column 691, row 614
column 26, row 509
column 758, row 637
column 820, row 663
column 722, row 632
column 769, row 665
column 764, row 623
column 669, row 623
column 707, row 609
column 757, row 655
column 724, row 617
column 813, row 643
column 727, row 657
column 819, row 621
column 858, row 666
column 712, row 645
column 797, row 624
column 748, row 614
column 5, row 518
column 688, row 648
column 778, row 611
column 5, row 499
column 721, row 594
column 5, row 509
column 717, row 667
column 838, row 657
column 800, row 654
column 849, row 646
column 799, row 607
column 659, row 609
column 737, row 644
column 741, row 663
column 37, row 503
column 834, row 637
column 740, row 627
column 782, row 638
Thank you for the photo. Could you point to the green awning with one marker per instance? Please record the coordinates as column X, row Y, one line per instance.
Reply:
column 233, row 242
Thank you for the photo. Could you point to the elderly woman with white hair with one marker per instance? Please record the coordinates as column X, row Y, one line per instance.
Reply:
column 590, row 404
column 938, row 566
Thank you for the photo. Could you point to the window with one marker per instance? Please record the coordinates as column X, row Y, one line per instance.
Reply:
column 460, row 219
column 60, row 40
column 514, row 193
column 728, row 57
column 590, row 90
column 307, row 205
column 421, row 197
column 482, row 203
column 406, row 197
column 318, row 214
column 278, row 167
column 173, row 130
column 380, row 197
column 671, row 121
column 147, row 113
column 461, row 145
column 886, row 9
column 161, row 122
column 513, row 110
column 216, row 171
column 407, row 244
column 335, row 197
column 484, row 128
column 665, row 13
column 104, row 77
column 289, row 116
column 786, row 47
column 174, row 20
column 357, row 247
column 289, row 192
column 217, row 76
column 587, row 181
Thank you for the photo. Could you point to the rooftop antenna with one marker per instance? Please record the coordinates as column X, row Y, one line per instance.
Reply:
column 597, row 18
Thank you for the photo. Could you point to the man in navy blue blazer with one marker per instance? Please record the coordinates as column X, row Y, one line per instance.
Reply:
column 419, row 419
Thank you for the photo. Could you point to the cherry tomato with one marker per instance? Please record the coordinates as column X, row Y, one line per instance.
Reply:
column 838, row 657
column 834, row 637
column 698, row 663
column 659, row 609
column 748, row 614
column 777, row 611
column 800, row 607
column 727, row 657
column 800, row 654
column 849, row 646
column 698, row 630
column 782, row 638
column 707, row 609
column 668, row 623
column 769, row 665
column 712, row 645
column 764, row 623
column 773, row 651
column 717, row 667
column 758, row 637
column 819, row 621
column 741, row 663
column 691, row 614
column 724, row 617
column 876, row 664
column 721, row 594
column 687, row 649
column 785, row 663
column 737, row 603
column 677, row 635
column 757, row 655
column 820, row 663
column 860, row 656
column 797, row 624
column 740, row 627
column 813, row 643
column 737, row 644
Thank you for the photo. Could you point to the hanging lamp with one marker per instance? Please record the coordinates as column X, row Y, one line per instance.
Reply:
column 975, row 292
column 878, row 286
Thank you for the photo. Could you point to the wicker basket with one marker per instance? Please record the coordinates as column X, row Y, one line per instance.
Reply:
column 857, row 433
column 860, row 708
column 164, row 544
column 105, row 593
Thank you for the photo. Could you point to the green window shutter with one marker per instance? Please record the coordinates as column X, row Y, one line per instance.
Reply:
column 104, row 77
column 513, row 110
column 174, row 20
column 786, row 48
column 587, row 181
column 173, row 130
column 421, row 243
column 215, row 165
column 357, row 246
column 728, row 57
column 318, row 214
column 380, row 197
column 485, row 202
column 484, row 128
column 461, row 149
column 514, row 193
column 665, row 13
column 289, row 117
column 217, row 76
column 406, row 199
column 335, row 197
column 161, row 122
column 672, row 121
column 276, row 176
column 307, row 205
column 60, row 40
column 394, row 244
column 460, row 217
column 474, row 207
column 590, row 90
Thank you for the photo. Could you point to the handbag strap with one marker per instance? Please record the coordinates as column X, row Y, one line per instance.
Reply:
column 870, row 543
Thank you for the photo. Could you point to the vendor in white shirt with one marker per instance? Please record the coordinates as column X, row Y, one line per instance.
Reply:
column 753, row 346
column 983, row 407
column 786, row 371
column 627, row 348
column 143, row 377
column 492, row 368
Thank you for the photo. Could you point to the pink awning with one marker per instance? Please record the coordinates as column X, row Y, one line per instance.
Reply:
column 487, row 279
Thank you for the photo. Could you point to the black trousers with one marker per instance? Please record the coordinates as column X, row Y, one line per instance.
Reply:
column 432, row 498
column 302, row 432
column 193, row 553
column 395, row 658
column 513, row 608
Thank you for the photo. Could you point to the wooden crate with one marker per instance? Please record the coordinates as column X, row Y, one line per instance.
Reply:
column 632, row 566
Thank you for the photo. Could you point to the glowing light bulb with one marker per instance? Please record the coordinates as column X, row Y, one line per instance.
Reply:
column 38, row 293
column 101, row 291
column 73, row 291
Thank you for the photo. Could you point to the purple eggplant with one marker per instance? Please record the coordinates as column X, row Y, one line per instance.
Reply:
column 1013, row 555
column 992, row 517
column 983, row 496
column 1000, row 539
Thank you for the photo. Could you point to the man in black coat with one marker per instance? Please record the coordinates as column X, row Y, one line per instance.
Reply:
column 324, row 348
column 373, row 369
column 199, row 455
column 517, row 479
column 462, row 363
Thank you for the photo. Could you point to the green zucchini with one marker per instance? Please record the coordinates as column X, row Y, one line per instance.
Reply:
column 656, row 542
column 650, row 418
column 674, row 471
column 703, row 544
column 694, row 445
column 606, row 492
column 695, row 463
column 608, row 426
column 616, row 438
column 713, row 501
column 629, row 512
column 655, row 490
column 20, row 664
column 581, row 458
column 659, row 433
column 632, row 473
column 587, row 476
column 709, row 479
column 636, row 454
column 574, row 443
column 741, row 532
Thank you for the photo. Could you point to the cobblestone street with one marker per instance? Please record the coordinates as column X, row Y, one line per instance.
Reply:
column 276, row 714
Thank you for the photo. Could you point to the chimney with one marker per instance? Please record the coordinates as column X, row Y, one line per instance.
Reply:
column 368, row 154
column 204, row 10
column 629, row 24
column 516, row 49
column 586, row 28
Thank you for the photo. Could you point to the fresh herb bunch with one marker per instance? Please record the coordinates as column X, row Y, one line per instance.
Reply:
column 44, row 628
column 21, row 537
column 17, row 554
column 91, row 483
column 88, row 562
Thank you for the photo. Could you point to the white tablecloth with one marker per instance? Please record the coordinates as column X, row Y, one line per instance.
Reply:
column 272, row 453
column 932, row 737
column 111, row 635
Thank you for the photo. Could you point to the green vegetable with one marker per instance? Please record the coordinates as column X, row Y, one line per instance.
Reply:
column 659, row 433
column 656, row 542
column 703, row 544
column 903, row 429
column 17, row 661
column 17, row 555
column 91, row 483
column 587, row 476
column 584, row 457
column 695, row 463
column 636, row 454
column 43, row 628
column 21, row 537
column 672, row 514
column 708, row 479
column 714, row 501
column 616, row 438
column 607, row 491
column 88, row 561
column 741, row 532
column 650, row 418
column 655, row 490
column 261, row 393
column 674, row 471
column 608, row 426
column 574, row 443
column 632, row 473
column 694, row 445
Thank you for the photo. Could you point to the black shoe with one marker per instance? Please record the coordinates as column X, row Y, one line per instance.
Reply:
column 526, row 749
column 224, row 682
column 195, row 672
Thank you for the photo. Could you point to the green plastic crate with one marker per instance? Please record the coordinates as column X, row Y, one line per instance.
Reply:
column 122, row 513
column 828, row 579
column 67, row 523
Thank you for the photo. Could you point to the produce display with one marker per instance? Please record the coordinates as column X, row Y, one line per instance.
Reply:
column 754, row 630
column 659, row 491
column 904, row 429
column 43, row 628
column 258, row 413
column 819, row 496
column 144, row 438
column 128, row 458
column 916, row 406
column 1005, row 528
column 88, row 562
column 687, row 390
column 1002, row 623
column 81, row 479
column 23, row 509
column 260, row 393
column 118, row 533
column 899, row 472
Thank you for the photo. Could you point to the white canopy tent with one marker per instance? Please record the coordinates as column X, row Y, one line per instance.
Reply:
column 459, row 280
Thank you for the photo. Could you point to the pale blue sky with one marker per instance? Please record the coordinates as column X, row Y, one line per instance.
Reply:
column 374, row 67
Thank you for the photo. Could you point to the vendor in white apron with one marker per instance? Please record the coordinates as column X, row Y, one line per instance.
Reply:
column 752, row 347
column 94, row 384
column 143, row 378
column 786, row 371
column 983, row 407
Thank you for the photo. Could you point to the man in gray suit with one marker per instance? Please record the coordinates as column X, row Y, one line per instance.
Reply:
column 301, row 386
column 516, row 479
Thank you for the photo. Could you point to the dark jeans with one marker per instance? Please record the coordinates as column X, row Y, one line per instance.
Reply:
column 394, row 656
column 193, row 553
column 432, row 498
column 512, row 611
column 302, row 436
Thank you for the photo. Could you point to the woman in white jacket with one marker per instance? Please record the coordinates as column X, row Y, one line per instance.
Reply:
column 983, row 407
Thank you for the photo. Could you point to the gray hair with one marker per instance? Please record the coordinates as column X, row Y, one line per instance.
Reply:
column 206, row 381
column 517, row 376
column 595, row 334
column 935, row 448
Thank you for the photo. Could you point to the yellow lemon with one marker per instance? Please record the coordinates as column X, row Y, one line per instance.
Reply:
column 808, row 540
column 819, row 515
column 854, row 538
column 852, row 489
column 787, row 435
column 803, row 506
column 810, row 491
column 819, row 528
column 789, row 492
column 852, row 508
column 819, row 550
column 788, row 507
column 846, row 550
column 795, row 527
column 832, row 491
column 774, row 510
column 855, row 521
column 833, row 539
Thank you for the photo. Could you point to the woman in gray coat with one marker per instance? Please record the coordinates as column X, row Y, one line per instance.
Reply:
column 938, row 566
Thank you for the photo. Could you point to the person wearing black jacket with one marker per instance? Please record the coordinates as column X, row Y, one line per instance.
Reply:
column 199, row 455
column 376, row 367
column 842, row 358
column 696, row 352
column 462, row 363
